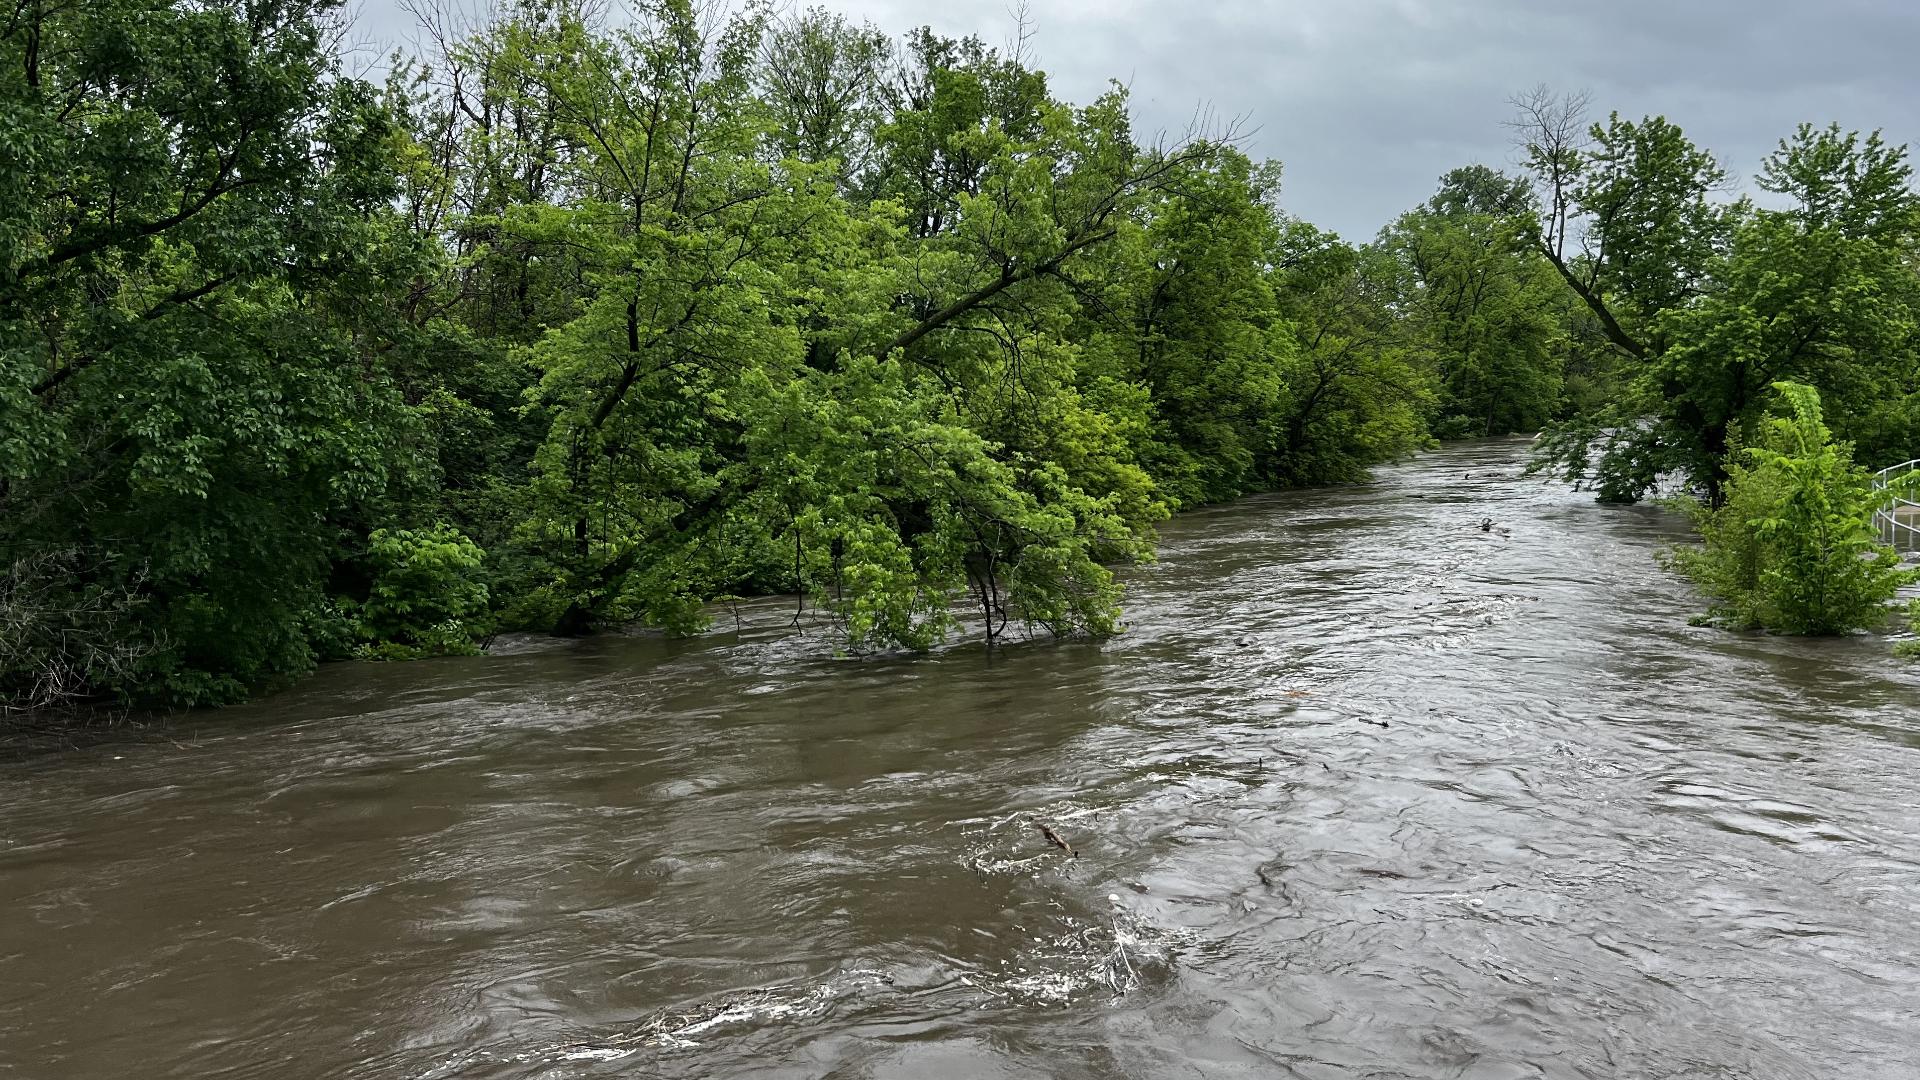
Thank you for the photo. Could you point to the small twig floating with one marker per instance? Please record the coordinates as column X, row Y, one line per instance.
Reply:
column 1054, row 839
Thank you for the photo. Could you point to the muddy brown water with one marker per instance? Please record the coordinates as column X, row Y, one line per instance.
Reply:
column 1364, row 792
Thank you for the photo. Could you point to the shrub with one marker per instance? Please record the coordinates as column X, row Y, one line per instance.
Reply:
column 1792, row 549
column 426, row 598
column 1911, row 649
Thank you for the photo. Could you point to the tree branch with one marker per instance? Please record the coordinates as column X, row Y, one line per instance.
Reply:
column 1608, row 324
column 1006, row 280
column 79, row 363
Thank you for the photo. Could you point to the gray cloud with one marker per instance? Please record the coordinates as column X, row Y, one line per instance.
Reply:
column 1367, row 102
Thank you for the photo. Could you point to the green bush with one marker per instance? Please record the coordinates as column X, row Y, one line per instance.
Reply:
column 426, row 598
column 1792, row 549
column 1911, row 649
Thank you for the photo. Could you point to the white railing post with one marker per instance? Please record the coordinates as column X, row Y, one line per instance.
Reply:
column 1899, row 522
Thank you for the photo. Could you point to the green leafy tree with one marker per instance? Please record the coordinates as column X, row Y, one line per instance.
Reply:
column 822, row 79
column 196, row 401
column 575, row 323
column 1186, row 311
column 715, row 286
column 1705, row 304
column 1818, row 293
column 1354, row 395
column 1480, row 304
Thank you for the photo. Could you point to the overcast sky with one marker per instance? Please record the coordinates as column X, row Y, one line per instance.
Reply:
column 1367, row 102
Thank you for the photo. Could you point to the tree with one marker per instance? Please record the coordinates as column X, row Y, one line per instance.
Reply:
column 1353, row 396
column 1183, row 308
column 1818, row 294
column 1628, row 220
column 1480, row 303
column 577, row 323
column 1706, row 304
column 196, row 402
column 423, row 596
column 716, row 288
column 821, row 78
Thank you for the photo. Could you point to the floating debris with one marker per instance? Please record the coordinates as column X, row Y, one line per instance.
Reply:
column 1054, row 839
column 1009, row 852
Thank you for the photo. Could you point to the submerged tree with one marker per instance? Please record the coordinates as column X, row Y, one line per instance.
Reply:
column 747, row 334
column 584, row 320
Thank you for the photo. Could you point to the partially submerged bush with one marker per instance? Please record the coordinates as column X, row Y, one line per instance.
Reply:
column 426, row 598
column 1911, row 649
column 1793, row 549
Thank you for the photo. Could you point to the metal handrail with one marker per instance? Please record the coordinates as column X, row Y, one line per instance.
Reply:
column 1898, row 523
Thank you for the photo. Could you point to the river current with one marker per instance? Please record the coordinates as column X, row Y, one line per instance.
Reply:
column 1364, row 791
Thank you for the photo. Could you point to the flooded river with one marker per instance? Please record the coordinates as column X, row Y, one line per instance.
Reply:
column 1364, row 792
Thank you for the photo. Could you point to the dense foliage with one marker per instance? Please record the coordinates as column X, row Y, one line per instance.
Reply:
column 196, row 416
column 1480, row 305
column 424, row 596
column 1698, row 304
column 1792, row 548
column 578, row 322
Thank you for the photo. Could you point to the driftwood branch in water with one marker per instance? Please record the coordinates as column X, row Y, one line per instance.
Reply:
column 1054, row 839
